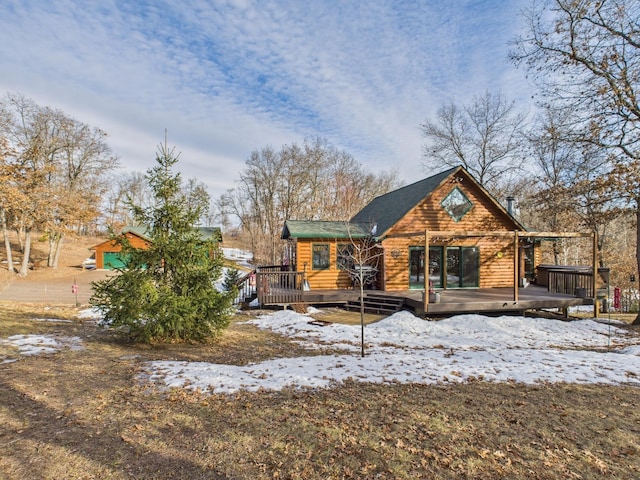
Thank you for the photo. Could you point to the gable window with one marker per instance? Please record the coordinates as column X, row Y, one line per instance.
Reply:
column 456, row 204
column 344, row 256
column 320, row 256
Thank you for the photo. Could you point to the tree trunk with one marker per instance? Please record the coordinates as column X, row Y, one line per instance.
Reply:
column 637, row 320
column 55, row 243
column 361, row 314
column 24, row 268
column 19, row 232
column 556, row 253
column 56, row 255
column 7, row 242
column 52, row 245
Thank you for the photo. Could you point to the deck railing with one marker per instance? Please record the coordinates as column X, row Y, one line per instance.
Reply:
column 579, row 284
column 246, row 285
column 568, row 280
column 279, row 288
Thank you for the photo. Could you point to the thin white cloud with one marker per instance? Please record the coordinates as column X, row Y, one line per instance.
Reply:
column 226, row 78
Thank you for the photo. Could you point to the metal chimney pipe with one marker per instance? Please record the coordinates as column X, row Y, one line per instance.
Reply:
column 510, row 202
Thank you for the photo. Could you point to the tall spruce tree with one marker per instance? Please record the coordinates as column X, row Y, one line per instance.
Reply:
column 167, row 292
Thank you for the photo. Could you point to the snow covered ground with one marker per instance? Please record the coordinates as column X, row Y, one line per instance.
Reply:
column 241, row 257
column 404, row 348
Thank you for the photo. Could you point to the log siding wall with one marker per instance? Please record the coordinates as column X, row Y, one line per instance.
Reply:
column 330, row 278
column 496, row 254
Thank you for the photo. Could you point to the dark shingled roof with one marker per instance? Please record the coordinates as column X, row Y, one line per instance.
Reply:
column 388, row 209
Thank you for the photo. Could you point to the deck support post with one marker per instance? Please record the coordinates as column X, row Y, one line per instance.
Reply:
column 426, row 271
column 596, row 311
column 516, row 264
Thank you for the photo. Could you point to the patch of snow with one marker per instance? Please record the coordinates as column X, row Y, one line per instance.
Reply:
column 53, row 320
column 631, row 350
column 40, row 344
column 405, row 348
column 241, row 257
column 89, row 314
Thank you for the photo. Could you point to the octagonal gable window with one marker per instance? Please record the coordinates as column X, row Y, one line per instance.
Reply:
column 456, row 204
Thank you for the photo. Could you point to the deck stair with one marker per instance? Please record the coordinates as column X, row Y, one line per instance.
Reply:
column 377, row 303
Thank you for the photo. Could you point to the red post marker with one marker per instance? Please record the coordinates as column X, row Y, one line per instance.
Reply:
column 74, row 290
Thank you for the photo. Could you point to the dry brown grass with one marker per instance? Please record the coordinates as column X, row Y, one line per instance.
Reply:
column 86, row 414
column 623, row 317
column 339, row 315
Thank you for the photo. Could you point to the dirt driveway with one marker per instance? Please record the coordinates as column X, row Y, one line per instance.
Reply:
column 52, row 290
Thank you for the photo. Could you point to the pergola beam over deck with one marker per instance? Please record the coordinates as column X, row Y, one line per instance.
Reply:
column 497, row 233
column 516, row 235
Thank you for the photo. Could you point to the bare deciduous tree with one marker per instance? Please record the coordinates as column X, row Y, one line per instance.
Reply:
column 482, row 136
column 571, row 183
column 125, row 188
column 309, row 182
column 54, row 171
column 81, row 166
column 360, row 258
column 585, row 55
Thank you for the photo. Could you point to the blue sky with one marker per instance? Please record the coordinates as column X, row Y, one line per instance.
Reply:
column 229, row 77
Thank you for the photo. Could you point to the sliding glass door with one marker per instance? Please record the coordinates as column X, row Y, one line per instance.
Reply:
column 455, row 267
column 463, row 267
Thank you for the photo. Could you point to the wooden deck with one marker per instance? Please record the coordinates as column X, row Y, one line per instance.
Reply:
column 456, row 301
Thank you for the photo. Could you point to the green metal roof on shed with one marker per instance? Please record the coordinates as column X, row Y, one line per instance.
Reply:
column 210, row 233
column 324, row 229
column 206, row 233
column 138, row 230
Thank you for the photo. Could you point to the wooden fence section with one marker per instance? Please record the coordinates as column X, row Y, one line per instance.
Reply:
column 279, row 288
column 579, row 284
column 577, row 281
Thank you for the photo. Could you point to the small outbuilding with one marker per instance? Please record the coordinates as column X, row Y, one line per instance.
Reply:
column 108, row 253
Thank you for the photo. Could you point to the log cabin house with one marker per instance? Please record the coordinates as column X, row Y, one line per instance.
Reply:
column 445, row 245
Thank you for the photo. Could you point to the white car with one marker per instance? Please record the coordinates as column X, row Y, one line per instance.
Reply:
column 89, row 264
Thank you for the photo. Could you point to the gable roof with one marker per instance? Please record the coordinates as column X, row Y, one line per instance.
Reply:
column 383, row 212
column 110, row 242
column 324, row 229
column 136, row 230
column 210, row 233
column 388, row 209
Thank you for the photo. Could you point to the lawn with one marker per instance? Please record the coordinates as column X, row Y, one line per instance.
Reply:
column 86, row 411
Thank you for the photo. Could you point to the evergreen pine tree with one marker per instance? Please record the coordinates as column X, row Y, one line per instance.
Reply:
column 231, row 278
column 167, row 291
